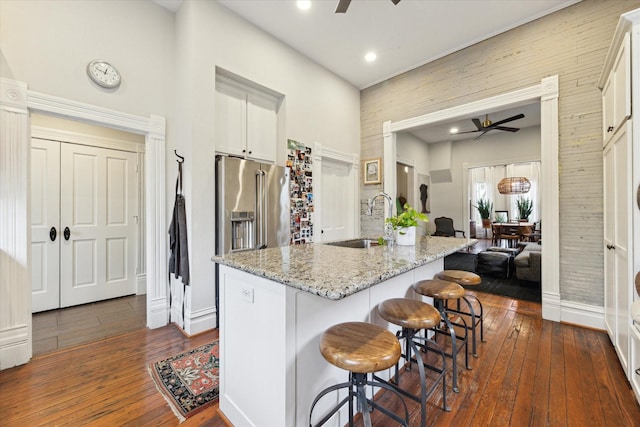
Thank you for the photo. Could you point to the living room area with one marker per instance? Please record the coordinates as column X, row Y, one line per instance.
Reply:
column 489, row 185
column 505, row 205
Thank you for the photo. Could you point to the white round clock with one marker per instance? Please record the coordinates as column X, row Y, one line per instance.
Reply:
column 104, row 74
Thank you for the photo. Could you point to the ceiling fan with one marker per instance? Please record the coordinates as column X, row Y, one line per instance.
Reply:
column 343, row 5
column 487, row 125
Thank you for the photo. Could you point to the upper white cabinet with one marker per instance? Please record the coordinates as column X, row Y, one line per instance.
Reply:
column 616, row 93
column 246, row 120
column 620, row 84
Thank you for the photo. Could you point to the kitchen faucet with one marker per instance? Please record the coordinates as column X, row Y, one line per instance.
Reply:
column 389, row 235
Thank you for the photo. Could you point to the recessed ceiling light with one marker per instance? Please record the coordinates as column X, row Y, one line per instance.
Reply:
column 453, row 130
column 304, row 4
column 370, row 57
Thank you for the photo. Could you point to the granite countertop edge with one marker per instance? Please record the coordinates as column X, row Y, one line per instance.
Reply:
column 334, row 272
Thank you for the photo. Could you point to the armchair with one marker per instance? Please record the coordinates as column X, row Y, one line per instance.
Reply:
column 444, row 227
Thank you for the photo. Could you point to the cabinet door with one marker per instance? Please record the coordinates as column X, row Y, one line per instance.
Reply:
column 622, row 88
column 262, row 127
column 617, row 215
column 607, row 109
column 230, row 120
column 609, row 259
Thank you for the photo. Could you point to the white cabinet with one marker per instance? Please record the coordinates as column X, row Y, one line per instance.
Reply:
column 616, row 93
column 620, row 84
column 617, row 240
column 635, row 362
column 246, row 121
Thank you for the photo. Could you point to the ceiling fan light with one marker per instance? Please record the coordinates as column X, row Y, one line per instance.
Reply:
column 514, row 185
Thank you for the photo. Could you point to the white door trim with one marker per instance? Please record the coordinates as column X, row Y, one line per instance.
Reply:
column 547, row 93
column 16, row 103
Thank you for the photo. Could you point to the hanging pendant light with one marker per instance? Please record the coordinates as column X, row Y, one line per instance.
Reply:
column 514, row 185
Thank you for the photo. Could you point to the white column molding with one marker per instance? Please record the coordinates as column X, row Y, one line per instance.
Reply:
column 16, row 102
column 389, row 163
column 15, row 273
column 550, row 198
column 156, row 233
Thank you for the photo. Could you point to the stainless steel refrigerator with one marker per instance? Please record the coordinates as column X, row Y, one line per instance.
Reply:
column 252, row 208
column 252, row 205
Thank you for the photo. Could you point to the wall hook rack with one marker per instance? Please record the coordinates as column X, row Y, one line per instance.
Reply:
column 179, row 157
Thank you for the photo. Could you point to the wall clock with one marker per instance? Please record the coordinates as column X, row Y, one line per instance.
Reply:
column 104, row 74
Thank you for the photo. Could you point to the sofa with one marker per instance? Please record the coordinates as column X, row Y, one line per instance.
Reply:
column 528, row 262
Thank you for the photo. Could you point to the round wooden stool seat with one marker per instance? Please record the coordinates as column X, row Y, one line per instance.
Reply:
column 409, row 313
column 360, row 347
column 461, row 277
column 439, row 289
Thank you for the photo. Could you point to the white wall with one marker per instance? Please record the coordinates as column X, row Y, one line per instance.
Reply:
column 496, row 148
column 168, row 64
column 48, row 44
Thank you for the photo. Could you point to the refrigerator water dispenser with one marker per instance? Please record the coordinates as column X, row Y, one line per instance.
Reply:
column 242, row 235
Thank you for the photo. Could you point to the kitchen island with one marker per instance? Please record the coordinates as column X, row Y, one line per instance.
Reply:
column 275, row 303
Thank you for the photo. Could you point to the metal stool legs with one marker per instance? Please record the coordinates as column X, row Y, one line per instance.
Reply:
column 356, row 385
column 475, row 319
column 439, row 304
column 411, row 347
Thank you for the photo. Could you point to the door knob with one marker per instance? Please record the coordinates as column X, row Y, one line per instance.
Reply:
column 53, row 234
column 610, row 247
column 66, row 233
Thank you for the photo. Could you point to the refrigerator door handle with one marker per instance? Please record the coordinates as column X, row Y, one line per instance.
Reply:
column 261, row 202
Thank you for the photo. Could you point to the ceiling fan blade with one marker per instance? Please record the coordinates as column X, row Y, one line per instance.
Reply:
column 477, row 123
column 343, row 5
column 395, row 1
column 480, row 136
column 469, row 131
column 519, row 116
column 507, row 129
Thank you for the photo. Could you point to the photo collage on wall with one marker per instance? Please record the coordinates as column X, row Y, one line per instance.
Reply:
column 299, row 162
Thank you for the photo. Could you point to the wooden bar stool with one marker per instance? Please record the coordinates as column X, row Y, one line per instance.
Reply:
column 467, row 278
column 414, row 316
column 360, row 348
column 442, row 291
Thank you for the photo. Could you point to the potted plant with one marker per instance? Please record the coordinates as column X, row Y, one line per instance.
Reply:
column 404, row 225
column 525, row 207
column 485, row 207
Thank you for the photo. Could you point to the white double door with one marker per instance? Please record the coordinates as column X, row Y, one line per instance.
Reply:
column 83, row 224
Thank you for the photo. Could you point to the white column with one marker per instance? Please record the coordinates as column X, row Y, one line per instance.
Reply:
column 156, row 225
column 15, row 277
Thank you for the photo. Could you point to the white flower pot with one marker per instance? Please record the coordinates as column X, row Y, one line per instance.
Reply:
column 406, row 236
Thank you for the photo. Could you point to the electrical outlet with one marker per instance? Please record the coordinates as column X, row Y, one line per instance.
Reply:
column 247, row 294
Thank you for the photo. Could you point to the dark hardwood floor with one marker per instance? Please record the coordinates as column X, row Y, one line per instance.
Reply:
column 72, row 326
column 529, row 372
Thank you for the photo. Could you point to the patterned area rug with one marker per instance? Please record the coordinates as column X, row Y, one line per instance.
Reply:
column 188, row 381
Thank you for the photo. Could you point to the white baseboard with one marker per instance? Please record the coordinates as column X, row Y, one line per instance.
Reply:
column 15, row 347
column 157, row 314
column 587, row 315
column 200, row 321
column 576, row 313
column 141, row 284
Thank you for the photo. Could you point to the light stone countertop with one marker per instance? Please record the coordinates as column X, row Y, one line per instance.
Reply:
column 335, row 272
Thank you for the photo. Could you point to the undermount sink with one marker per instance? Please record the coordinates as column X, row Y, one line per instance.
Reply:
column 354, row 243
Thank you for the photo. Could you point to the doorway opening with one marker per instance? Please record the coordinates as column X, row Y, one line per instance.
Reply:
column 546, row 93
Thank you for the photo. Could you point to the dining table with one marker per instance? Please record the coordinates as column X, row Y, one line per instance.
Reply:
column 512, row 232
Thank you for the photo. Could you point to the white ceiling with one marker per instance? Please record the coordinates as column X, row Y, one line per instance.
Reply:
column 439, row 132
column 404, row 36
